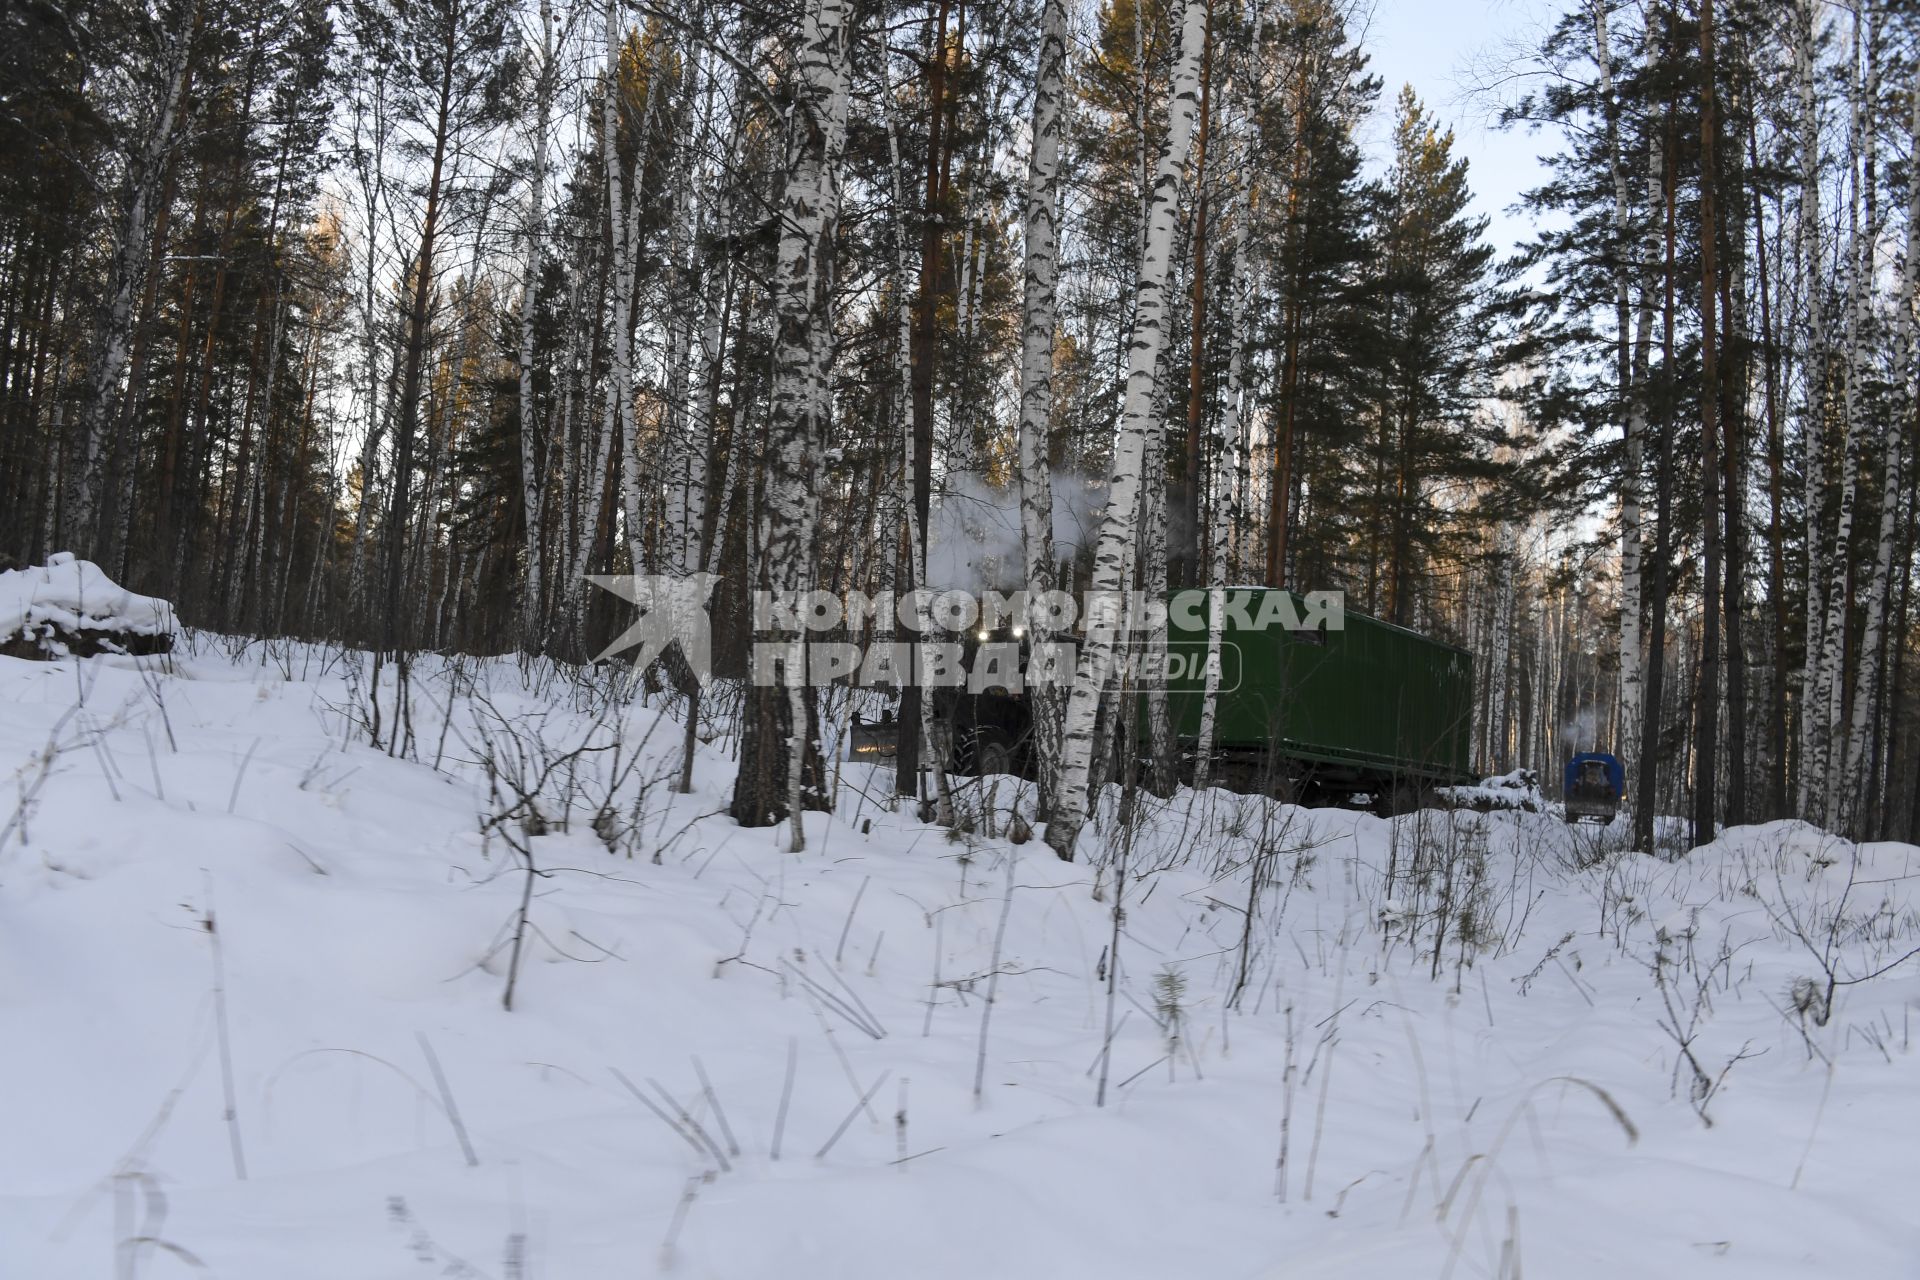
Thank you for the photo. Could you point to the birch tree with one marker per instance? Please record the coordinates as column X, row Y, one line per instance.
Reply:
column 1867, row 683
column 533, row 238
column 780, row 770
column 623, row 222
column 1038, row 325
column 152, row 144
column 1139, row 414
column 1813, row 730
column 1230, row 451
column 1827, row 704
column 1707, row 693
column 1630, row 377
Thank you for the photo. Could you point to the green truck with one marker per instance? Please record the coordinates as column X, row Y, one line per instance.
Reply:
column 1345, row 708
column 1324, row 714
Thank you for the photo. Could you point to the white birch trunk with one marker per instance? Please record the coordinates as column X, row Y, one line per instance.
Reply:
column 619, row 389
column 802, row 346
column 688, row 438
column 706, row 394
column 1229, row 462
column 1499, row 687
column 1812, row 731
column 1632, row 675
column 1139, row 415
column 256, row 494
column 963, row 296
column 113, row 334
column 532, row 455
column 1829, row 686
column 1038, row 323
column 1867, row 686
column 1153, row 583
column 566, row 386
column 596, row 450
column 712, row 352
column 585, row 470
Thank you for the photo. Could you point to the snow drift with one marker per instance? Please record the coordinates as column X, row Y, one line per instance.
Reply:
column 70, row 606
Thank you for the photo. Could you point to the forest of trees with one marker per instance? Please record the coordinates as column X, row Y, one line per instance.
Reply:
column 388, row 322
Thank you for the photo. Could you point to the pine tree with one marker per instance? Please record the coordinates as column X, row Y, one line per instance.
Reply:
column 1433, row 338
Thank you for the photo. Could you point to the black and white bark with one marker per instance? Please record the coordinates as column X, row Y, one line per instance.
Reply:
column 1866, row 695
column 533, row 239
column 1632, row 394
column 1230, row 450
column 1119, row 528
column 1038, row 322
column 1827, row 706
column 1813, row 728
column 150, row 153
column 688, row 439
column 780, row 772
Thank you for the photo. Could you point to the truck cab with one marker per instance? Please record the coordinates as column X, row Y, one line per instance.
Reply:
column 1594, row 786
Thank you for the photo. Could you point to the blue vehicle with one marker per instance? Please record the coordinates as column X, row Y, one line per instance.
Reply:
column 1594, row 786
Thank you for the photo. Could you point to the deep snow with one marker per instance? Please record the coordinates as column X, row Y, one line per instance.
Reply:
column 1516, row 1107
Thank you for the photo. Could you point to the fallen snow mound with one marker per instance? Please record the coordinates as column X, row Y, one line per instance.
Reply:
column 1517, row 790
column 69, row 605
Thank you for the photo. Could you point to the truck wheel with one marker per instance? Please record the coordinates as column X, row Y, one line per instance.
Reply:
column 1395, row 799
column 992, row 753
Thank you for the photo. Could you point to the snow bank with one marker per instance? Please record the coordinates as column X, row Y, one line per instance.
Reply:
column 1519, row 789
column 71, row 605
column 237, row 938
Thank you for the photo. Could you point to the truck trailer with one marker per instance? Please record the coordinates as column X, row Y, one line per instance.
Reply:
column 1341, row 709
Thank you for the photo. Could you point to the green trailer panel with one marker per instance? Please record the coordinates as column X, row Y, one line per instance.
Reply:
column 1371, row 698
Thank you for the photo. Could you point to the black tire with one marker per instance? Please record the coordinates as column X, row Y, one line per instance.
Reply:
column 1395, row 799
column 992, row 753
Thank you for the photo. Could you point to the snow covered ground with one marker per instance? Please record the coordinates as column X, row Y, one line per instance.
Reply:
column 234, row 938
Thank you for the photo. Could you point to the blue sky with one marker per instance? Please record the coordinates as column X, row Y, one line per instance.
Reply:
column 1441, row 48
